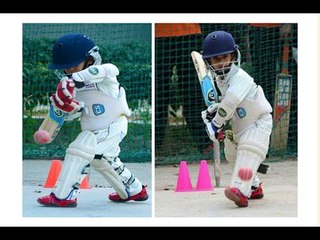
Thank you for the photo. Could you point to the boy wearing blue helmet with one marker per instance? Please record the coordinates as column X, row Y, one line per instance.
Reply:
column 242, row 102
column 90, row 90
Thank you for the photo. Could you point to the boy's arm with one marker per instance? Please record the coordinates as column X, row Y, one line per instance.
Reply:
column 96, row 74
column 62, row 105
column 50, row 126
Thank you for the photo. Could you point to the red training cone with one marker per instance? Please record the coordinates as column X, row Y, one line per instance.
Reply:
column 53, row 174
column 204, row 180
column 85, row 183
column 184, row 181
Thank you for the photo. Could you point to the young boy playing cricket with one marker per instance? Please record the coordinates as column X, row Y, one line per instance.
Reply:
column 242, row 102
column 90, row 90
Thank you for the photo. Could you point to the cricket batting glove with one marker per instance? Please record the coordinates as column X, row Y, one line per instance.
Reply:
column 63, row 98
column 208, row 114
column 215, row 134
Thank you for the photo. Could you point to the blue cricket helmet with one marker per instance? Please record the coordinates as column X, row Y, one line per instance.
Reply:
column 218, row 43
column 70, row 50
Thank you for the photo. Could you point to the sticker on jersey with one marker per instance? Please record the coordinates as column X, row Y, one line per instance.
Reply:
column 222, row 112
column 98, row 109
column 93, row 70
column 241, row 112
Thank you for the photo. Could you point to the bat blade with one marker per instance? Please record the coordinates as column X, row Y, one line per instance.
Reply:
column 210, row 96
column 216, row 165
column 199, row 65
column 209, row 92
column 52, row 123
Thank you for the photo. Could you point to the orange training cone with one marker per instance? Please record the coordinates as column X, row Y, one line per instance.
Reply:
column 184, row 181
column 53, row 175
column 85, row 183
column 204, row 180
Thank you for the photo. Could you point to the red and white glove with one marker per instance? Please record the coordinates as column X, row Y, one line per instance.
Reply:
column 63, row 98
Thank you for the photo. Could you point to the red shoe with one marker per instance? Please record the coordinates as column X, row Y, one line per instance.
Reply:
column 141, row 196
column 257, row 193
column 52, row 201
column 235, row 195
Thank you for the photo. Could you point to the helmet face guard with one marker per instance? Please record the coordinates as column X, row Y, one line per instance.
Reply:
column 72, row 49
column 94, row 53
column 226, row 67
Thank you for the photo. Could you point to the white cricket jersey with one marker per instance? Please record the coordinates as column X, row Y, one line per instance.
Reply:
column 104, row 103
column 248, row 100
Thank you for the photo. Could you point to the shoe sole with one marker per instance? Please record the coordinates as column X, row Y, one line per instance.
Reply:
column 233, row 197
column 142, row 199
column 55, row 205
column 257, row 197
column 137, row 200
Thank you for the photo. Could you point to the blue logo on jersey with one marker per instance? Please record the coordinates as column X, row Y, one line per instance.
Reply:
column 241, row 112
column 98, row 109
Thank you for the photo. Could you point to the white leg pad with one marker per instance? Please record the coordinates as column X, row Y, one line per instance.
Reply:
column 78, row 155
column 112, row 177
column 230, row 151
column 132, row 184
column 255, row 181
column 252, row 150
column 121, row 179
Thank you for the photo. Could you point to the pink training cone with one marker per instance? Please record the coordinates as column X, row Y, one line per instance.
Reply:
column 204, row 180
column 184, row 180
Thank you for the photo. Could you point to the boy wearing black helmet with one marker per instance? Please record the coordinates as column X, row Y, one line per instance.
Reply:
column 242, row 102
column 91, row 90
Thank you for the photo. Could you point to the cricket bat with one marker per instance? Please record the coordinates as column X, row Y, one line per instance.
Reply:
column 210, row 96
column 50, row 126
column 282, row 102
